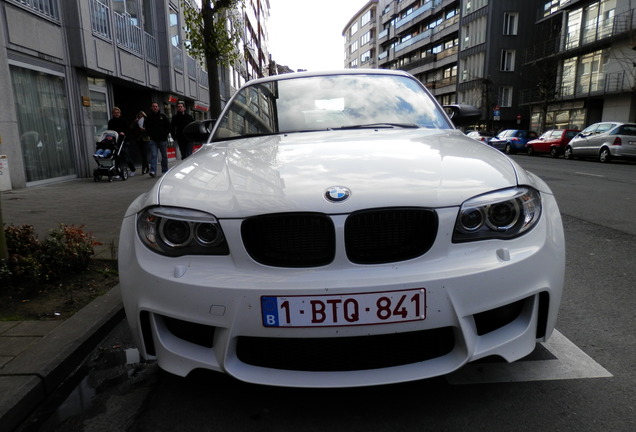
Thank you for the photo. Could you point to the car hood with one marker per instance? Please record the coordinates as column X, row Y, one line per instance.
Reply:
column 381, row 168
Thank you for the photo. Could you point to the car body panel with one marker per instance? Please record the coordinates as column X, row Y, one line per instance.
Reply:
column 479, row 297
column 242, row 186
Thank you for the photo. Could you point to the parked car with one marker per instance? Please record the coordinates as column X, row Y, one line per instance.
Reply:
column 302, row 248
column 511, row 141
column 483, row 136
column 604, row 141
column 552, row 142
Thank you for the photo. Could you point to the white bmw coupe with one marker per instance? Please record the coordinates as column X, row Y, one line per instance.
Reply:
column 337, row 231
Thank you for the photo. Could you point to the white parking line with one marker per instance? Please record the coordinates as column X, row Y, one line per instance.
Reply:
column 570, row 363
column 588, row 174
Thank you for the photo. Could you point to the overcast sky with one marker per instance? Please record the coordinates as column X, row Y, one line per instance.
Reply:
column 308, row 34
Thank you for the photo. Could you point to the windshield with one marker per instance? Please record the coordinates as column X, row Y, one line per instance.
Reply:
column 329, row 102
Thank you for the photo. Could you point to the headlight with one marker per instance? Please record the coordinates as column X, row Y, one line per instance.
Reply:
column 503, row 214
column 175, row 232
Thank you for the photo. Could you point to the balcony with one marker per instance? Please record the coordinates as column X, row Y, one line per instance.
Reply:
column 609, row 84
column 617, row 27
column 129, row 35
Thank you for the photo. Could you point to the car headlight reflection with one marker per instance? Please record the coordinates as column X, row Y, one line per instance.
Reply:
column 502, row 214
column 175, row 232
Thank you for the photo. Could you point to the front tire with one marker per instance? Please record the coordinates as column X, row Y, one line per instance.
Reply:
column 554, row 152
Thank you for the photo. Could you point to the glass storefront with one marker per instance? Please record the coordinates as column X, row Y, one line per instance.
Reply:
column 43, row 122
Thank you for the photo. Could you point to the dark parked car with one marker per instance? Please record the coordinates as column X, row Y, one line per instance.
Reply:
column 552, row 142
column 511, row 141
column 604, row 141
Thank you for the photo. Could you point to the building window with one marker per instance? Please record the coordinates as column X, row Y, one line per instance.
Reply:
column 474, row 33
column 568, row 76
column 366, row 18
column 354, row 29
column 43, row 123
column 365, row 39
column 510, row 23
column 507, row 60
column 353, row 64
column 471, row 6
column 573, row 36
column 505, row 96
column 450, row 72
column 175, row 39
column 472, row 67
column 354, row 47
column 365, row 57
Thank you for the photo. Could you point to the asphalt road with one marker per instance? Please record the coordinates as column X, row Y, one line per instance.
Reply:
column 582, row 380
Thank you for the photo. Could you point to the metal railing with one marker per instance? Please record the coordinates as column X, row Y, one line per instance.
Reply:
column 47, row 8
column 129, row 35
column 100, row 19
column 151, row 48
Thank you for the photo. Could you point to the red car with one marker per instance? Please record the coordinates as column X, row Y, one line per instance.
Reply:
column 552, row 142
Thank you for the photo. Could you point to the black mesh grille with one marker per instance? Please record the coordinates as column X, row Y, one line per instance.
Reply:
column 290, row 239
column 346, row 353
column 308, row 239
column 389, row 235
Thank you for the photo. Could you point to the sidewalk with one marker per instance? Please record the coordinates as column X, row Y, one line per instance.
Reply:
column 36, row 356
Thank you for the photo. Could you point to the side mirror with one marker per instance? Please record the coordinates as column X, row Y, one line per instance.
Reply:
column 199, row 130
column 462, row 115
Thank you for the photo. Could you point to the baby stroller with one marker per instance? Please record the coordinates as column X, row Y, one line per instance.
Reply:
column 108, row 157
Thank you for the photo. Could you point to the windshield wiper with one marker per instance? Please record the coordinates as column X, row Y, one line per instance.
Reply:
column 380, row 125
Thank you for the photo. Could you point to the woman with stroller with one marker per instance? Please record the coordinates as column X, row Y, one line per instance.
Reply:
column 119, row 125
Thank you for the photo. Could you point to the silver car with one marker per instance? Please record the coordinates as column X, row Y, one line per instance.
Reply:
column 605, row 141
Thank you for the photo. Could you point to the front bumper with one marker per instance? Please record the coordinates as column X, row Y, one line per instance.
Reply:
column 483, row 299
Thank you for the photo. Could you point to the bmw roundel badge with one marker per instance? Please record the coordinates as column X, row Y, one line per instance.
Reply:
column 337, row 194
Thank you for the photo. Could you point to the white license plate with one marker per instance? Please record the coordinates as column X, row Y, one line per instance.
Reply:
column 344, row 309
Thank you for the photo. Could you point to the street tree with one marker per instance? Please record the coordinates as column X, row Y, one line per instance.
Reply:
column 213, row 34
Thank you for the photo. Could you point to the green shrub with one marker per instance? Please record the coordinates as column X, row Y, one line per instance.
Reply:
column 32, row 262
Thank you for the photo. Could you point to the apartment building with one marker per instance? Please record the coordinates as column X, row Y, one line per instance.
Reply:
column 360, row 35
column 587, row 64
column 524, row 63
column 417, row 36
column 67, row 63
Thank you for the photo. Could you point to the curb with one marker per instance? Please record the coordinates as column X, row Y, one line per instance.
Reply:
column 31, row 378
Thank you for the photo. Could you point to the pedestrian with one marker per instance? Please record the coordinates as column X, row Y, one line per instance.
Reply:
column 157, row 127
column 119, row 125
column 179, row 121
column 140, row 138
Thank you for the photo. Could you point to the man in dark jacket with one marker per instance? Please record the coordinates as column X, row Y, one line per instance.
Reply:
column 157, row 127
column 179, row 121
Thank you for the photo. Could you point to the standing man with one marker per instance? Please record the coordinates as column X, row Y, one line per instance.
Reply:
column 157, row 127
column 180, row 120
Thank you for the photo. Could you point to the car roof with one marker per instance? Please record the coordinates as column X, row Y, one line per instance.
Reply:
column 292, row 75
